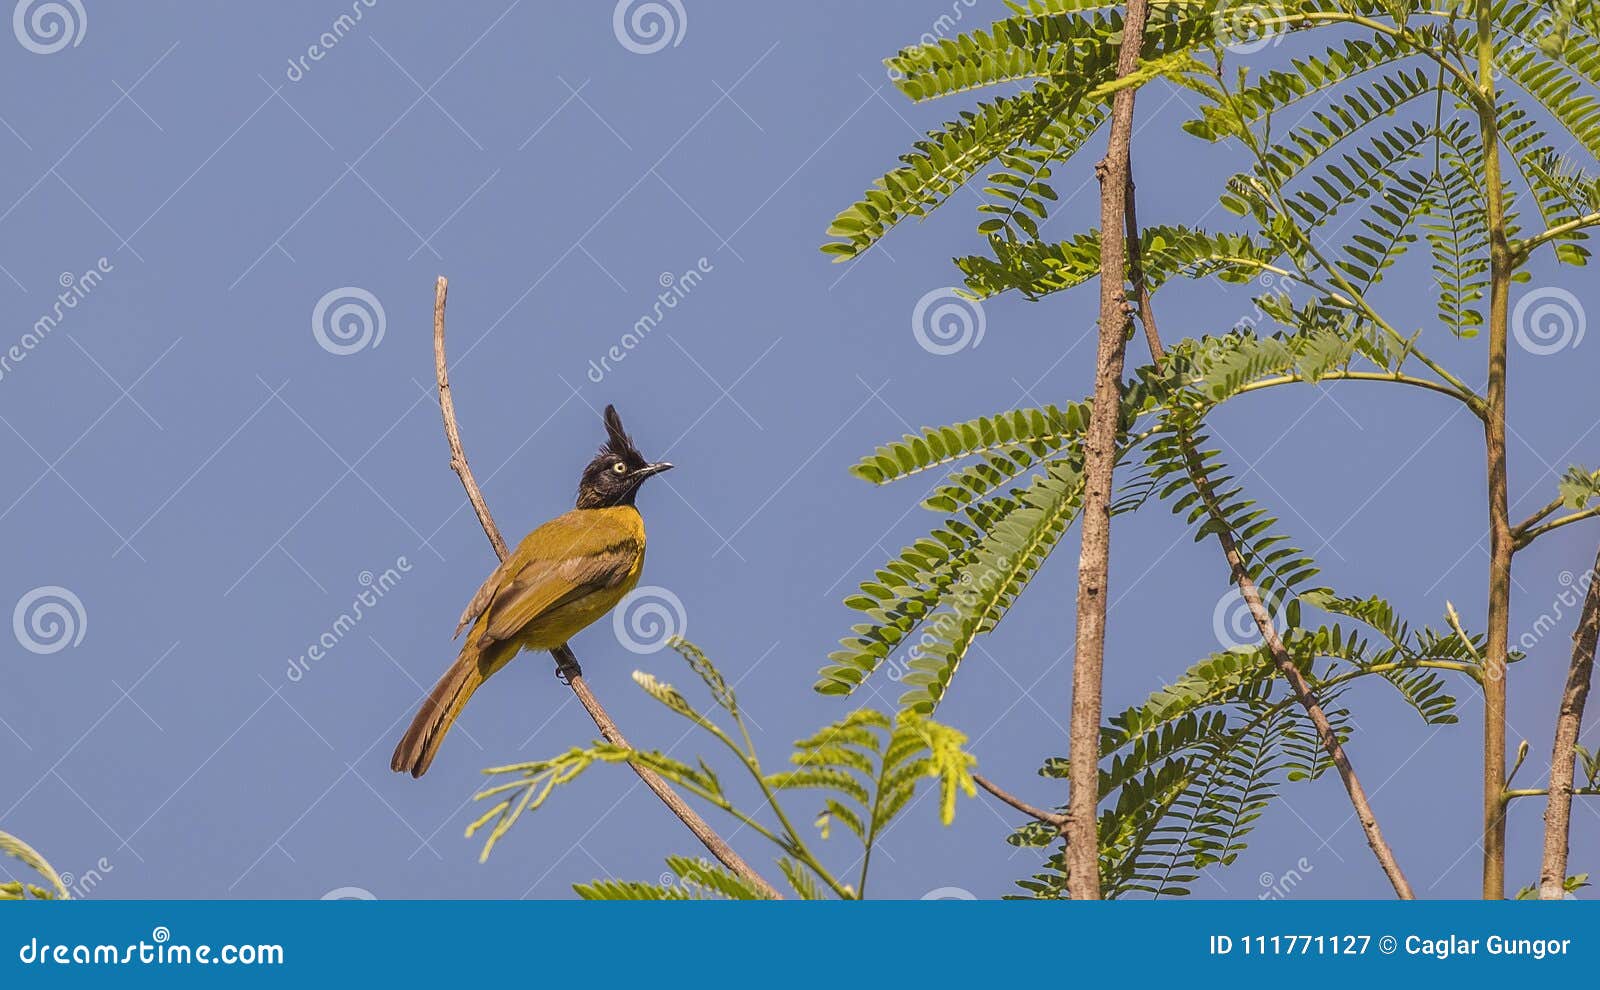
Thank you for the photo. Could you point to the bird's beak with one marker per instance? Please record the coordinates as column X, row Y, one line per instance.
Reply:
column 655, row 468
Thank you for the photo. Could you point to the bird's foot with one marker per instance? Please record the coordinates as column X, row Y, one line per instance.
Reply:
column 566, row 664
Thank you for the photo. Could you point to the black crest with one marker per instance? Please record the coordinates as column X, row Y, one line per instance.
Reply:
column 618, row 443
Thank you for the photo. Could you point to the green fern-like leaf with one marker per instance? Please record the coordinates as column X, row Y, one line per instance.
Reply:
column 1040, row 431
column 943, row 162
column 1004, row 561
column 1578, row 487
column 1280, row 89
column 628, row 890
column 14, row 847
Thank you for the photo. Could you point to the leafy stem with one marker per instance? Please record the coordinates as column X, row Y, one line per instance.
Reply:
column 1347, row 295
column 1523, row 249
column 1524, row 535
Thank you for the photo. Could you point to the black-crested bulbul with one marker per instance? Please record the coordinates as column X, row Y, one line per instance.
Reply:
column 562, row 577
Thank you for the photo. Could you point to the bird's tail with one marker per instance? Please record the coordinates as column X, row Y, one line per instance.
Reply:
column 441, row 708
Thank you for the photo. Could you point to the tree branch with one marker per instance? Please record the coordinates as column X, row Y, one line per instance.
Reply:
column 1522, row 792
column 566, row 662
column 1558, row 809
column 1520, row 529
column 1054, row 819
column 1524, row 537
column 1522, row 249
column 1100, row 460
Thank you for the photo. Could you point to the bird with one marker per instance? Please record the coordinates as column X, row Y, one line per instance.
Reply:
column 562, row 577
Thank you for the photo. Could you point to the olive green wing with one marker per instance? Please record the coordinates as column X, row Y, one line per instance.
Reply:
column 484, row 595
column 571, row 556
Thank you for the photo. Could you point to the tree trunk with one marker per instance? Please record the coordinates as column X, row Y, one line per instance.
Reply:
column 1100, row 458
column 1558, row 806
column 1501, row 545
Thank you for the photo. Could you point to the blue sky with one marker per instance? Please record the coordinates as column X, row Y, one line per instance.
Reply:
column 215, row 485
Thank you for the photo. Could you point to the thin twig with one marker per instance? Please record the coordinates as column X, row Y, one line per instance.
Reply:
column 566, row 663
column 1527, row 536
column 1522, row 792
column 1522, row 754
column 1252, row 594
column 1539, row 516
column 1454, row 618
column 1054, row 819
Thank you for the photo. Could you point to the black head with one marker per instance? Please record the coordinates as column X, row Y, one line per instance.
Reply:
column 615, row 474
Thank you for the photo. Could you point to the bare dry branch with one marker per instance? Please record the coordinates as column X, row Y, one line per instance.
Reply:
column 1054, row 819
column 566, row 662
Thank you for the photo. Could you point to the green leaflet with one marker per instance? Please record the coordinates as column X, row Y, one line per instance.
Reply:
column 1458, row 234
column 1037, row 269
column 1578, row 487
column 1359, row 175
column 941, row 163
column 868, row 765
column 1003, row 562
column 1559, row 91
column 17, row 890
column 1075, row 39
column 1019, row 190
column 1067, row 50
column 957, row 580
column 1388, row 229
column 1571, row 885
column 1388, row 156
column 1280, row 89
column 1186, row 774
column 1040, row 431
column 688, row 880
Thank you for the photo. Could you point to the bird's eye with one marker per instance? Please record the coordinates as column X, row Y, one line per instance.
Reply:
column 620, row 468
